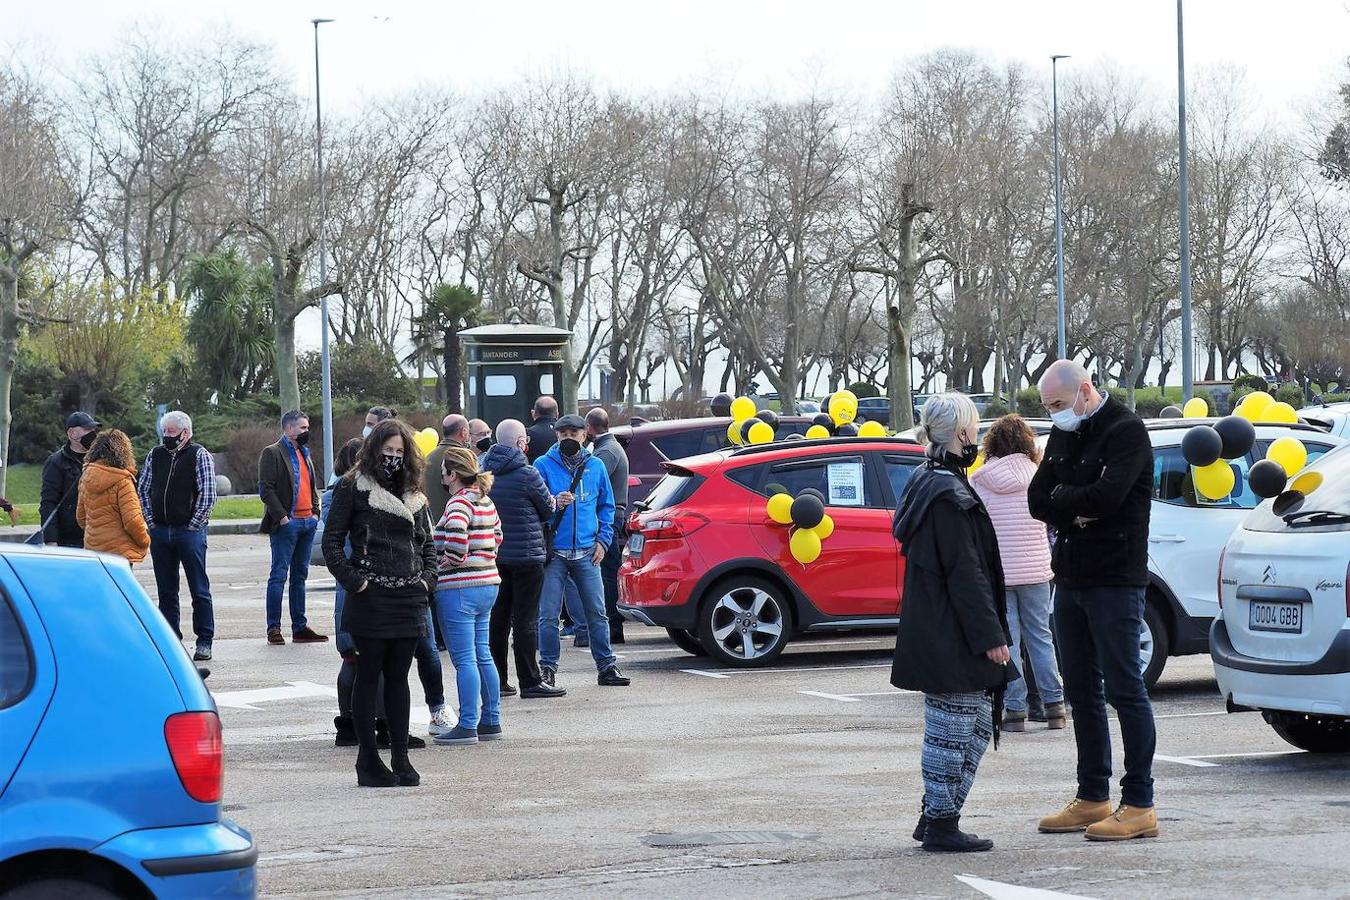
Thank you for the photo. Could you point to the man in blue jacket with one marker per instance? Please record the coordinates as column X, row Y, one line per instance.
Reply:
column 582, row 530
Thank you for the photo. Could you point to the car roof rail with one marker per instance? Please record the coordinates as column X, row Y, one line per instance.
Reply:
column 817, row 442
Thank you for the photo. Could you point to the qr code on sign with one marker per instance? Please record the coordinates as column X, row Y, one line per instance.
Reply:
column 846, row 492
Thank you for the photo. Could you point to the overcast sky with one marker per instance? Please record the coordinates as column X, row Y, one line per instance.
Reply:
column 1293, row 51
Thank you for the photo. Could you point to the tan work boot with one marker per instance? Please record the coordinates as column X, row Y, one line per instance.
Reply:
column 1125, row 823
column 1079, row 814
column 1055, row 717
column 1014, row 721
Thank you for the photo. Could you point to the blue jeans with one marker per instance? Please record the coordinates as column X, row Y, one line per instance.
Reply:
column 572, row 599
column 170, row 547
column 291, row 545
column 591, row 591
column 429, row 666
column 1029, row 623
column 1098, row 632
column 345, row 645
column 464, row 613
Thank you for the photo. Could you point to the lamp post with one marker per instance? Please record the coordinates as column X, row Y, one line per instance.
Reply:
column 1060, row 329
column 1187, row 348
column 325, row 357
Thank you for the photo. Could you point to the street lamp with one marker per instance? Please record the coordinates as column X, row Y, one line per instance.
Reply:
column 1060, row 331
column 325, row 357
column 1187, row 350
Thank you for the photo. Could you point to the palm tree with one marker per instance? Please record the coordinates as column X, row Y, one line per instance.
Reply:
column 230, row 324
column 449, row 308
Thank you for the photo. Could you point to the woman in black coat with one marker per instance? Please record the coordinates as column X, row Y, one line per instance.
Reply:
column 389, row 578
column 952, row 642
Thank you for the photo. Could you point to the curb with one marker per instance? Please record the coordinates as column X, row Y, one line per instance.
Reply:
column 227, row 526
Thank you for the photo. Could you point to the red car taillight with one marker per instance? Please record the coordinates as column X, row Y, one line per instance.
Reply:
column 634, row 481
column 673, row 525
column 195, row 746
column 1222, row 554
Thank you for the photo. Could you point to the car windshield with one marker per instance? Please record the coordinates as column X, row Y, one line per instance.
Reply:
column 1318, row 499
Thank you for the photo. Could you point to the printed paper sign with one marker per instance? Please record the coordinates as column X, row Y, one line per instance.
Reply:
column 845, row 483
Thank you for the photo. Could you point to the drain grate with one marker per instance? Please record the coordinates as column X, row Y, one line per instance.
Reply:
column 725, row 838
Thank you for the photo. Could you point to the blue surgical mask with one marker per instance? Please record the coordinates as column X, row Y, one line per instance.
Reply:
column 365, row 432
column 1069, row 419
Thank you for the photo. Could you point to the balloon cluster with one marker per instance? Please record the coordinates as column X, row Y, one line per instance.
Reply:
column 1209, row 447
column 1195, row 408
column 1258, row 406
column 836, row 419
column 426, row 440
column 748, row 426
column 806, row 514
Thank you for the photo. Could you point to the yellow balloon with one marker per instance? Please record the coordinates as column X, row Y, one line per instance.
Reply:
column 780, row 508
column 734, row 433
column 742, row 408
column 426, row 440
column 805, row 545
column 846, row 395
column 761, row 433
column 1289, row 453
column 1195, row 408
column 842, row 412
column 1280, row 412
column 1214, row 481
column 871, row 429
column 1255, row 405
column 1306, row 483
column 975, row 466
column 825, row 528
column 816, row 432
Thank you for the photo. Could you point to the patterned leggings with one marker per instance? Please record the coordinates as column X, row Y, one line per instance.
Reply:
column 957, row 729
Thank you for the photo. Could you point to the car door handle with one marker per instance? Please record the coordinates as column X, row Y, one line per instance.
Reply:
column 1166, row 539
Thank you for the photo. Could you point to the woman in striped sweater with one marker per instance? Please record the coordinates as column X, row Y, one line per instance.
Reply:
column 467, row 538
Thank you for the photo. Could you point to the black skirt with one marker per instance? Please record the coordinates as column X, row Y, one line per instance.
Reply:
column 381, row 612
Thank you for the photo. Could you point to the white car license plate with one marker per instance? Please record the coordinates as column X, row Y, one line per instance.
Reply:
column 635, row 542
column 1268, row 616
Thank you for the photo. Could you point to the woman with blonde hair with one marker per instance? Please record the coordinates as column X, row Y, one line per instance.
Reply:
column 467, row 538
column 1011, row 459
column 108, row 508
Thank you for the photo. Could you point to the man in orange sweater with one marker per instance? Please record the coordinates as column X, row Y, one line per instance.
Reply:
column 290, row 497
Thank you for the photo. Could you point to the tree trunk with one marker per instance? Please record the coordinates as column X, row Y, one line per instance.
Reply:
column 901, row 400
column 288, row 381
column 567, row 402
column 453, row 376
column 9, row 351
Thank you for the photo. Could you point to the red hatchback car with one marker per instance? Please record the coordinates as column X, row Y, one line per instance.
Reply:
column 705, row 561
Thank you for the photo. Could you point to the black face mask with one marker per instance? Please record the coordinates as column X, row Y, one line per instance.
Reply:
column 87, row 440
column 302, row 439
column 171, row 443
column 569, row 446
column 484, row 444
column 969, row 453
column 391, row 465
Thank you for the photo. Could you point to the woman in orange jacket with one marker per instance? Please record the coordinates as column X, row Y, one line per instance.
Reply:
column 108, row 509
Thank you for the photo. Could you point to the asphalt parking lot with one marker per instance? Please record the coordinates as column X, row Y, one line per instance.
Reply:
column 800, row 780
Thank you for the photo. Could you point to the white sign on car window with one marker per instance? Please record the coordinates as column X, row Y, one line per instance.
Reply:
column 845, row 483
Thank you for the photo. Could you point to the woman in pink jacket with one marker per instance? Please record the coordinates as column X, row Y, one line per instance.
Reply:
column 1011, row 458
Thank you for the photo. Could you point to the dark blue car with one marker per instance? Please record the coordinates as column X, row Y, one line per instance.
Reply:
column 111, row 764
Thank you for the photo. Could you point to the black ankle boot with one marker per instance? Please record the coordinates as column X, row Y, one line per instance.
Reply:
column 405, row 773
column 346, row 731
column 382, row 734
column 372, row 772
column 921, row 828
column 946, row 836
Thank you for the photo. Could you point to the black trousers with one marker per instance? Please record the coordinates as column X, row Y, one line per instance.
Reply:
column 391, row 658
column 517, row 610
column 609, row 575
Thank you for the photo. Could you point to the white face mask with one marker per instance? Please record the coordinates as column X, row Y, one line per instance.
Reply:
column 365, row 432
column 1069, row 419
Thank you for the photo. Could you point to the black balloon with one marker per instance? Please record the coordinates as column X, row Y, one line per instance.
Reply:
column 774, row 487
column 721, row 404
column 768, row 416
column 1201, row 445
column 1238, row 436
column 807, row 511
column 847, row 430
column 1170, row 412
column 823, row 420
column 1267, row 479
column 814, row 492
column 745, row 429
column 825, row 404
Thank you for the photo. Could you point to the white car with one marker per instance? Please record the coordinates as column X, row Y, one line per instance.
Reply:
column 1333, row 418
column 1187, row 533
column 1282, row 641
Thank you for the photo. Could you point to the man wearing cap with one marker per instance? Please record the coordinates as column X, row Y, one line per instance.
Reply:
column 61, row 483
column 582, row 530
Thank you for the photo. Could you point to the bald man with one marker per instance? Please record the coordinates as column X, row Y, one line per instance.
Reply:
column 480, row 436
column 1095, row 488
column 541, row 433
column 455, row 433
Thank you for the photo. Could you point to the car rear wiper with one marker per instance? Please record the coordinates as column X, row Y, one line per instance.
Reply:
column 1311, row 517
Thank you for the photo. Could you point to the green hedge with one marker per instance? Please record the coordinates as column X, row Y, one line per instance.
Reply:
column 864, row 389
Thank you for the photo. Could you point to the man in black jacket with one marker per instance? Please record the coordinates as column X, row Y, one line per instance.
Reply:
column 524, row 505
column 61, row 483
column 1094, row 488
column 609, row 451
column 289, row 491
column 541, row 434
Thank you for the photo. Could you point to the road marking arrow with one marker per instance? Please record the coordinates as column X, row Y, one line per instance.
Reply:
column 1001, row 891
column 293, row 690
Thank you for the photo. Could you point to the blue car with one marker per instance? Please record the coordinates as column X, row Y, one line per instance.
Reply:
column 111, row 764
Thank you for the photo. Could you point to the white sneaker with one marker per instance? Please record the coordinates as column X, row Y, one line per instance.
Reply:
column 441, row 723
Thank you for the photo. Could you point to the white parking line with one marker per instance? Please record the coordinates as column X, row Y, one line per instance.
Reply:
column 705, row 674
column 788, row 671
column 1002, row 891
column 1186, row 761
column 843, row 698
column 1220, row 712
column 819, row 645
column 1247, row 755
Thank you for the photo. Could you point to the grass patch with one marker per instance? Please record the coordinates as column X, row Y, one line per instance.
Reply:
column 23, row 488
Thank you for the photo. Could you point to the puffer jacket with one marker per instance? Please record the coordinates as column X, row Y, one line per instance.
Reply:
column 1022, row 543
column 523, row 504
column 110, row 512
column 391, row 540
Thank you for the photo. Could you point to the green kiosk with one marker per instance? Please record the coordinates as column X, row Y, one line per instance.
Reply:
column 509, row 366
